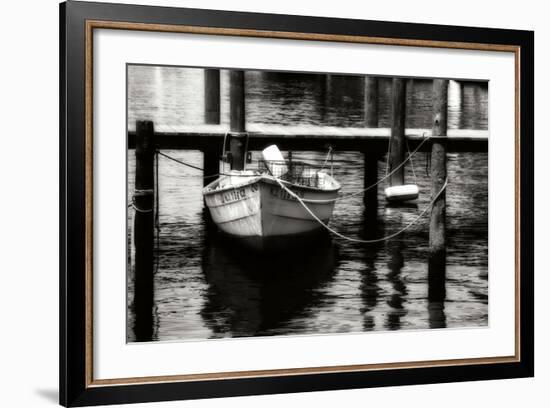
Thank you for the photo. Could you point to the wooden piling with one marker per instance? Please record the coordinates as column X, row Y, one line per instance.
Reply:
column 212, row 96
column 437, row 250
column 237, row 119
column 211, row 164
column 397, row 142
column 370, row 197
column 371, row 102
column 143, row 229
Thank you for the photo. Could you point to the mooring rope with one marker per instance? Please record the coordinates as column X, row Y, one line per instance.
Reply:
column 329, row 153
column 201, row 169
column 388, row 156
column 341, row 197
column 155, row 208
column 139, row 193
column 362, row 241
column 412, row 162
column 180, row 162
column 135, row 207
column 409, row 157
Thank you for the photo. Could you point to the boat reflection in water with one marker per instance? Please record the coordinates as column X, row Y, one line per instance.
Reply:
column 263, row 294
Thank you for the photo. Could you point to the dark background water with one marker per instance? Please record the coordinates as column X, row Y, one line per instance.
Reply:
column 204, row 288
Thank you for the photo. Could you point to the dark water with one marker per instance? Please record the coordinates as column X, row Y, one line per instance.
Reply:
column 205, row 288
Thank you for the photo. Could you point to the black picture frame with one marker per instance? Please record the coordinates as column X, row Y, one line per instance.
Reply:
column 75, row 387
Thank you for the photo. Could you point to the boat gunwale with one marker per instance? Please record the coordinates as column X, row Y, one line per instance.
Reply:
column 232, row 202
column 274, row 181
column 270, row 180
column 208, row 191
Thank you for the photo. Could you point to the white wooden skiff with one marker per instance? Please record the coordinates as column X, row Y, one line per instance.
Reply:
column 246, row 205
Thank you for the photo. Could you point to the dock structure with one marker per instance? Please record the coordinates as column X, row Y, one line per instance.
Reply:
column 310, row 137
column 371, row 140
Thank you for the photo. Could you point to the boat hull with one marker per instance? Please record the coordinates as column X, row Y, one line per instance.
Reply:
column 261, row 208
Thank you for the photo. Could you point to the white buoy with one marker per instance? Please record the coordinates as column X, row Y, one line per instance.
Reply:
column 405, row 192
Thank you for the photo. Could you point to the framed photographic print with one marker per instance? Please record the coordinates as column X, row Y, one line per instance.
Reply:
column 255, row 203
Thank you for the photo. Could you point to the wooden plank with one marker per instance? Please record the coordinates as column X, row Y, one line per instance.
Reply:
column 311, row 137
column 310, row 131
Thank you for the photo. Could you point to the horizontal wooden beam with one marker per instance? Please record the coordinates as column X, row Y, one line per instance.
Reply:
column 311, row 138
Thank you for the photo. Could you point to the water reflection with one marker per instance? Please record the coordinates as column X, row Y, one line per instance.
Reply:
column 252, row 294
column 143, row 308
column 396, row 261
column 370, row 289
column 437, row 292
column 174, row 96
column 436, row 315
column 143, row 321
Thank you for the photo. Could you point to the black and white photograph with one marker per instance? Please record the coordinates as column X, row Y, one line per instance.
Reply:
column 273, row 203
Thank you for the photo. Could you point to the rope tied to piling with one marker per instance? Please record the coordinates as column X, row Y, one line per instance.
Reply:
column 362, row 241
column 201, row 169
column 141, row 193
column 183, row 163
column 409, row 157
column 329, row 155
column 341, row 197
column 135, row 206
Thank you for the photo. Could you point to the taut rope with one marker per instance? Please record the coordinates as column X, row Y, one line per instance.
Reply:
column 363, row 241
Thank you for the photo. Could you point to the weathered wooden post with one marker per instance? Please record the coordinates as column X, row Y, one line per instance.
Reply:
column 437, row 250
column 143, row 229
column 211, row 156
column 370, row 198
column 237, row 119
column 210, row 164
column 371, row 102
column 212, row 96
column 397, row 143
